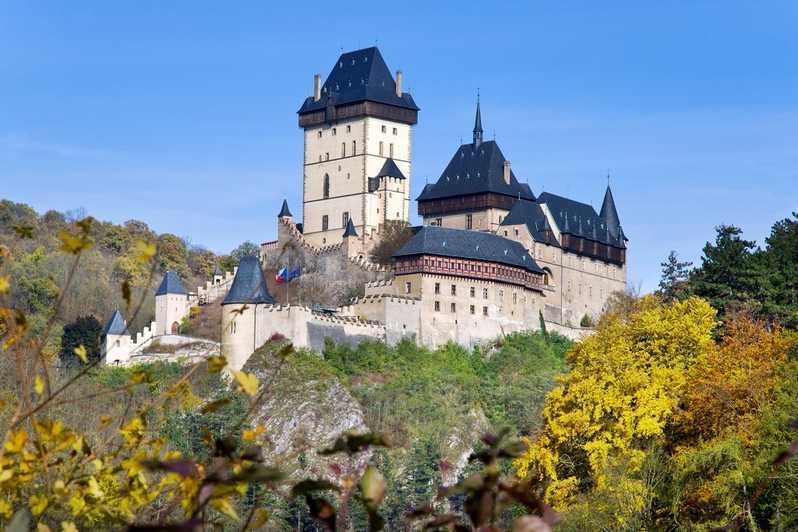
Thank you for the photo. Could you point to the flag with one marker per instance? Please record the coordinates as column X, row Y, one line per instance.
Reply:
column 286, row 276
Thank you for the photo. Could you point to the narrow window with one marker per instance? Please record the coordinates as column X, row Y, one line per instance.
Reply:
column 469, row 221
column 390, row 150
column 473, row 290
column 437, row 306
column 334, row 132
column 484, row 293
column 408, row 287
column 383, row 129
column 344, row 218
column 380, row 147
column 348, row 129
column 325, row 222
column 326, row 186
column 454, row 289
column 472, row 309
column 437, row 288
column 354, row 147
column 485, row 311
column 319, row 133
column 394, row 131
column 327, row 156
column 454, row 308
column 515, row 298
column 439, row 222
column 343, row 149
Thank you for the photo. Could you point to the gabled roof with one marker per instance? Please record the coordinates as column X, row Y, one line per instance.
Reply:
column 609, row 214
column 171, row 284
column 249, row 286
column 284, row 211
column 465, row 244
column 358, row 76
column 116, row 325
column 350, row 229
column 579, row 219
column 531, row 214
column 476, row 169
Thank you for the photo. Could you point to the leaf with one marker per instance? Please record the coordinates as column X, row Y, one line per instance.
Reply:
column 260, row 473
column 23, row 230
column 37, row 504
column 73, row 244
column 143, row 251
column 259, row 518
column 223, row 505
column 372, row 488
column 81, row 353
column 68, row 526
column 252, row 434
column 309, row 486
column 216, row 363
column 41, row 527
column 247, row 381
column 5, row 284
column 352, row 443
column 38, row 384
column 213, row 406
column 16, row 441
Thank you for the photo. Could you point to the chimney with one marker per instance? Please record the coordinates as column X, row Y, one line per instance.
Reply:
column 316, row 88
column 399, row 83
column 507, row 172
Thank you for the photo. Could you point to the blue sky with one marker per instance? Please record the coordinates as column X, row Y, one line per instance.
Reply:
column 182, row 114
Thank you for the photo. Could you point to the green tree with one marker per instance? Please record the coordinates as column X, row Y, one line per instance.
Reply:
column 779, row 267
column 172, row 254
column 245, row 249
column 85, row 331
column 728, row 274
column 673, row 284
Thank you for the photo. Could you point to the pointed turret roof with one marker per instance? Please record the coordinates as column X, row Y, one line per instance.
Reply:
column 171, row 284
column 249, row 286
column 217, row 271
column 389, row 169
column 116, row 325
column 478, row 126
column 284, row 211
column 350, row 229
column 609, row 214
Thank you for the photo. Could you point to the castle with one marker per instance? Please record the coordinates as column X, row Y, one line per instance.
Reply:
column 490, row 258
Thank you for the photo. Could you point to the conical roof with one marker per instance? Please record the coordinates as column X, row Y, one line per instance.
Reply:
column 609, row 214
column 116, row 325
column 249, row 286
column 284, row 211
column 171, row 284
column 217, row 271
column 350, row 229
column 478, row 125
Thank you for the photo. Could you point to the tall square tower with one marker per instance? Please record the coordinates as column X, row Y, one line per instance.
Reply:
column 358, row 138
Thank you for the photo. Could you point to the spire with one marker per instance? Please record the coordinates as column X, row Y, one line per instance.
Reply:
column 609, row 214
column 217, row 271
column 478, row 126
column 350, row 229
column 171, row 284
column 249, row 286
column 116, row 325
column 284, row 212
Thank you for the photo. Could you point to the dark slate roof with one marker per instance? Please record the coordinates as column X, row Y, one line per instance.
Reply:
column 389, row 169
column 350, row 229
column 217, row 270
column 358, row 76
column 531, row 214
column 579, row 219
column 284, row 211
column 609, row 214
column 476, row 171
column 465, row 244
column 171, row 284
column 116, row 325
column 249, row 286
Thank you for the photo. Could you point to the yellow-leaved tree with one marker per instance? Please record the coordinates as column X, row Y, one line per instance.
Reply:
column 615, row 403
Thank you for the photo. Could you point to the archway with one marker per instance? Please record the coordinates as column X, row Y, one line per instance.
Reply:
column 175, row 328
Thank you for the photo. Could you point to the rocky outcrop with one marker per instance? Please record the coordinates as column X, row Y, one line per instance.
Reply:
column 459, row 445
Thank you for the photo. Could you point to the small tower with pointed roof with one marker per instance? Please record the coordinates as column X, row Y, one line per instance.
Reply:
column 171, row 304
column 478, row 126
column 116, row 342
column 352, row 244
column 218, row 274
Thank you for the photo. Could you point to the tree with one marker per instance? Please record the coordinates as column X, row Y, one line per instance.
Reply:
column 779, row 267
column 673, row 284
column 172, row 254
column 245, row 249
column 728, row 277
column 85, row 331
column 395, row 234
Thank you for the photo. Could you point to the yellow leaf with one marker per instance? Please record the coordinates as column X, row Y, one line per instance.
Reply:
column 258, row 519
column 38, row 384
column 80, row 351
column 37, row 504
column 68, row 526
column 41, row 527
column 224, row 506
column 5, row 284
column 216, row 364
column 247, row 381
column 73, row 244
column 16, row 441
column 252, row 435
column 143, row 251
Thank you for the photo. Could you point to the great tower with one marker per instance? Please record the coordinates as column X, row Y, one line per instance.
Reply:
column 358, row 137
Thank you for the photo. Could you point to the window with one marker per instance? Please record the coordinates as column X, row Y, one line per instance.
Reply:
column 334, row 132
column 380, row 147
column 501, row 293
column 327, row 156
column 437, row 306
column 394, row 131
column 325, row 222
column 354, row 147
column 454, row 308
column 516, row 232
column 438, row 222
column 484, row 293
column 454, row 289
column 319, row 157
column 326, row 186
column 515, row 298
column 383, row 129
column 408, row 287
column 437, row 288
column 348, row 129
column 319, row 133
column 485, row 311
column 473, row 291
column 343, row 149
column 505, row 232
column 344, row 218
column 390, row 150
column 472, row 309
column 469, row 221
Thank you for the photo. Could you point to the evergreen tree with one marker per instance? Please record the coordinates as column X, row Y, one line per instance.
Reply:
column 673, row 284
column 85, row 331
column 728, row 276
column 779, row 267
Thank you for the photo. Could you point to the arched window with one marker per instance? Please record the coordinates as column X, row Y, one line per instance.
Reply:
column 326, row 186
column 354, row 147
column 547, row 277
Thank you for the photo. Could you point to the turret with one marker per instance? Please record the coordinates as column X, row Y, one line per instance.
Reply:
column 218, row 274
column 171, row 304
column 115, row 339
column 285, row 212
column 609, row 214
column 477, row 127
